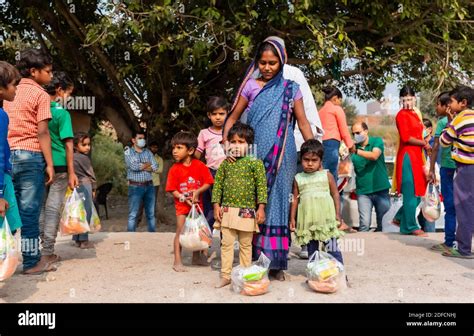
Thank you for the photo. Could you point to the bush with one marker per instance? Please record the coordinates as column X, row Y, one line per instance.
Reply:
column 109, row 163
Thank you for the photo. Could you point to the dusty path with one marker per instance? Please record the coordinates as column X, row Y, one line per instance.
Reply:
column 136, row 267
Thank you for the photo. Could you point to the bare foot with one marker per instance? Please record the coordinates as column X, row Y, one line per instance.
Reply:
column 222, row 283
column 179, row 268
column 53, row 258
column 87, row 245
column 278, row 275
column 40, row 268
column 200, row 261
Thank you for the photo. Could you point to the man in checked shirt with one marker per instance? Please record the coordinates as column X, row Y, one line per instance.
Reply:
column 140, row 165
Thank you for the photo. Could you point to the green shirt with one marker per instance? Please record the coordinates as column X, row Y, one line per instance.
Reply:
column 240, row 184
column 371, row 176
column 446, row 160
column 60, row 128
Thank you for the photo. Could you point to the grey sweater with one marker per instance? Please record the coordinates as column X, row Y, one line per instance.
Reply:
column 83, row 169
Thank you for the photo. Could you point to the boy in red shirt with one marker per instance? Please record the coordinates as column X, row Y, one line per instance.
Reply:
column 187, row 180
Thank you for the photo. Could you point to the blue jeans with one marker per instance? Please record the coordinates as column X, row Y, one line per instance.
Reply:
column 85, row 191
column 332, row 249
column 331, row 156
column 207, row 202
column 137, row 194
column 28, row 181
column 447, row 175
column 380, row 200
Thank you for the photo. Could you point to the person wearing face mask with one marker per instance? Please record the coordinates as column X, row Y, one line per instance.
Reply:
column 140, row 166
column 372, row 184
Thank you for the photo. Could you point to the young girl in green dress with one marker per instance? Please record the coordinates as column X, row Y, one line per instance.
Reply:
column 316, row 197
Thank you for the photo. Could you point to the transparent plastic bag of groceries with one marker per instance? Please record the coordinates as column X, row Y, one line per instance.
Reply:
column 325, row 274
column 73, row 218
column 431, row 203
column 387, row 220
column 197, row 234
column 9, row 252
column 94, row 223
column 252, row 280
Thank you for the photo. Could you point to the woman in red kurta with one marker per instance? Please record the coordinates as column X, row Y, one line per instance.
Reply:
column 411, row 180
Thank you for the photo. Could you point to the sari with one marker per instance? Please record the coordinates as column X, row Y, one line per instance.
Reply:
column 271, row 117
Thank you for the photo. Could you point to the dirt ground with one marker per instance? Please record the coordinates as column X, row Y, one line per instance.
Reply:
column 136, row 267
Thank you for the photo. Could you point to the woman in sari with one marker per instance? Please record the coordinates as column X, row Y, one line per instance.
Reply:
column 273, row 104
column 410, row 177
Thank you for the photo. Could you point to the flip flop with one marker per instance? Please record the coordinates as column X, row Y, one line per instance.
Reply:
column 440, row 247
column 454, row 253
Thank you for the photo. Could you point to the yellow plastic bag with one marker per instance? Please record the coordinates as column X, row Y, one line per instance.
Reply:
column 9, row 254
column 73, row 218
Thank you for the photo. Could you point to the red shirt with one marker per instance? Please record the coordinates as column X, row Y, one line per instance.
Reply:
column 186, row 179
column 410, row 125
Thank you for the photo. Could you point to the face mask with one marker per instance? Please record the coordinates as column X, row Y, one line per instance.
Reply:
column 141, row 143
column 359, row 138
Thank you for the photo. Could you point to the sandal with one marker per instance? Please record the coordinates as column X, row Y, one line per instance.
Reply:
column 454, row 253
column 440, row 247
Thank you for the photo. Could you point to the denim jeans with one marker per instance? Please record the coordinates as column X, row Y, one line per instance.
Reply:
column 137, row 195
column 332, row 248
column 447, row 177
column 85, row 191
column 380, row 200
column 207, row 202
column 51, row 212
column 331, row 156
column 28, row 180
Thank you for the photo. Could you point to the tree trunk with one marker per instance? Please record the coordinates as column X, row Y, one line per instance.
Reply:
column 124, row 131
column 165, row 203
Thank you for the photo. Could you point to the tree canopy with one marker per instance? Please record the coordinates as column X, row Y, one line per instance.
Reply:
column 165, row 58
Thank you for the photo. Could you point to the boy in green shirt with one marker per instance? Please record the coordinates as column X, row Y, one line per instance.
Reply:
column 239, row 197
column 60, row 129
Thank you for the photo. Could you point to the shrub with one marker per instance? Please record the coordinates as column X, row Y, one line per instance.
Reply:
column 109, row 163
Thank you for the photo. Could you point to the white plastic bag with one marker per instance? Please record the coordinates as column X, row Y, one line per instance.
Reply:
column 387, row 225
column 9, row 253
column 252, row 280
column 196, row 235
column 431, row 204
column 73, row 218
column 325, row 274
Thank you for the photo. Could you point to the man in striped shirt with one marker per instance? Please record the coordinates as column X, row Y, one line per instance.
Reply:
column 460, row 133
column 30, row 143
column 140, row 166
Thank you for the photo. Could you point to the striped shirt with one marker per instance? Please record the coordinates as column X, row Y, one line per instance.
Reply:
column 134, row 161
column 31, row 106
column 460, row 133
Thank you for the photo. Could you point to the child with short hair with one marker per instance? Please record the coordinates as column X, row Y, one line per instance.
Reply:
column 209, row 142
column 60, row 130
column 239, row 198
column 30, row 143
column 9, row 79
column 316, row 198
column 460, row 134
column 446, row 171
column 87, row 181
column 187, row 180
